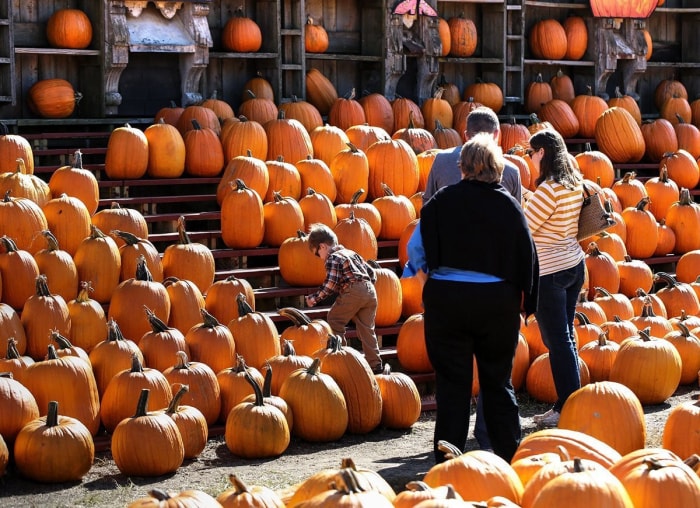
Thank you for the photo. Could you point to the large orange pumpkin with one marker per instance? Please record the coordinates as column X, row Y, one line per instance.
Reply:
column 241, row 34
column 53, row 98
column 463, row 36
column 69, row 28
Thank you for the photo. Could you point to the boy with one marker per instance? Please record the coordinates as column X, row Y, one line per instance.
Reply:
column 352, row 279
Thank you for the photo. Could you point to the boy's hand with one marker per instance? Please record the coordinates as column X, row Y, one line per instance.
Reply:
column 308, row 303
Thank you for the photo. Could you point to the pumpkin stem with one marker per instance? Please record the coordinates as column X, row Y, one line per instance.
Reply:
column 51, row 355
column 175, row 401
column 295, row 315
column 142, row 404
column 63, row 342
column 51, row 240
column 183, row 237
column 42, row 286
column 52, row 415
column 208, row 320
column 136, row 365
column 12, row 351
column 259, row 401
column 238, row 485
column 157, row 324
column 244, row 307
column 129, row 238
column 8, row 243
column 267, row 383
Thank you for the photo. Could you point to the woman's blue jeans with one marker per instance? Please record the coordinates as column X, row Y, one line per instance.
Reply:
column 556, row 307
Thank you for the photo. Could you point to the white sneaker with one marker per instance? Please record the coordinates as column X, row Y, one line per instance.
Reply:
column 548, row 419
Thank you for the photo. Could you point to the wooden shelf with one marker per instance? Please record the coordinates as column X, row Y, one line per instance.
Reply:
column 57, row 51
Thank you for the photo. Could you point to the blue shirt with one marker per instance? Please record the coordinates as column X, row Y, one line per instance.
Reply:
column 416, row 261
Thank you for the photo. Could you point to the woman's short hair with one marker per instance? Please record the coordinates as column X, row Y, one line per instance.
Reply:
column 481, row 159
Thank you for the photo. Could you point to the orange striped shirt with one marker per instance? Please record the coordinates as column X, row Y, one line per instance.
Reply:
column 552, row 214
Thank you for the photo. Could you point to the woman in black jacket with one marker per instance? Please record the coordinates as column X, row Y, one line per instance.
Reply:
column 475, row 246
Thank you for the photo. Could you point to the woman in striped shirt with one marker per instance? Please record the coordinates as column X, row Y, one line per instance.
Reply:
column 552, row 214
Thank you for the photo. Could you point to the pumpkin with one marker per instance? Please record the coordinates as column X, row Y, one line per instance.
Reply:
column 676, row 296
column 13, row 147
column 305, row 112
column 320, row 91
column 445, row 36
column 190, row 422
column 317, row 403
column 634, row 274
column 166, row 151
column 682, row 168
column 112, row 355
column 327, row 141
column 204, row 154
column 392, row 162
column 259, row 109
column 131, row 250
column 21, row 184
column 242, row 218
column 53, row 98
column 563, row 87
column 298, row 264
column 245, row 138
column 576, row 443
column 189, row 260
column 18, row 406
column 608, row 411
column 78, row 182
column 222, row 293
column 147, row 443
column 170, row 114
column 378, row 113
column 401, row 404
column 463, row 36
column 127, row 153
column 69, row 28
column 683, row 217
column 356, row 234
column 161, row 344
column 288, row 361
column 596, row 166
column 485, row 92
column 538, row 93
column 116, row 218
column 315, row 37
column 122, row 388
column 350, row 171
column 255, row 334
column 221, row 108
column 688, row 137
column 186, row 303
column 160, row 498
column 599, row 356
column 69, row 220
column 602, row 271
column 346, row 112
column 203, row 393
column 679, row 434
column 241, row 34
column 18, row 271
column 211, row 342
column 627, row 102
column 587, row 108
column 561, row 116
column 629, row 191
column 42, row 313
column 539, row 381
column 255, row 429
column 642, row 231
column 618, row 135
column 688, row 346
column 54, row 449
column 240, row 494
column 641, row 355
column 69, row 380
column 476, row 474
column 547, row 40
column 14, row 363
column 353, row 375
column 317, row 208
column 437, row 110
column 576, row 37
column 287, row 138
column 234, row 386
column 282, row 218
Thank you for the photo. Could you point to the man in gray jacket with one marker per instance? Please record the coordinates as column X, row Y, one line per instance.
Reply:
column 445, row 170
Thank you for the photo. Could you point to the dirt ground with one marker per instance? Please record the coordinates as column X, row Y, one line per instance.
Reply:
column 398, row 456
